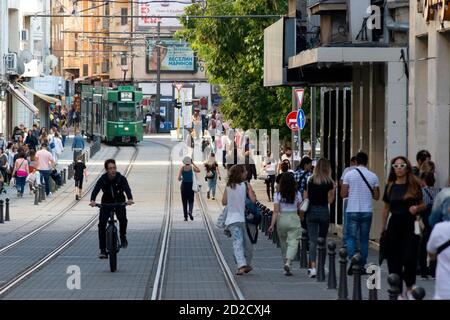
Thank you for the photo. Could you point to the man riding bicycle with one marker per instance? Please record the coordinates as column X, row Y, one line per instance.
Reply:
column 114, row 187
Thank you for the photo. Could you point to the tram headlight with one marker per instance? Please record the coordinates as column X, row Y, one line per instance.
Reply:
column 126, row 129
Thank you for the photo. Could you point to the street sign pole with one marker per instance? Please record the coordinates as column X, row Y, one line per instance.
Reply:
column 296, row 136
column 298, row 96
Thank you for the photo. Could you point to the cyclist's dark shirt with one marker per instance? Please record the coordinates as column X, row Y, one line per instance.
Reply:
column 119, row 185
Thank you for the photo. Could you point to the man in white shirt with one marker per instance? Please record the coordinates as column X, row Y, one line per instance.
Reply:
column 45, row 163
column 360, row 186
column 345, row 200
column 440, row 236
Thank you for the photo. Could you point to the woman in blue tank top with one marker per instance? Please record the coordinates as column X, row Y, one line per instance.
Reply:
column 186, row 175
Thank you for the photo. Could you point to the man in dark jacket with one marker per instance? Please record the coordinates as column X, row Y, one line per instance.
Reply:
column 115, row 187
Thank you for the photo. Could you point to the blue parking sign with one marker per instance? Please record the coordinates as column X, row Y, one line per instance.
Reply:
column 301, row 119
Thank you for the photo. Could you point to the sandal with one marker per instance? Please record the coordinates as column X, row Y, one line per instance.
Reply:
column 240, row 271
column 247, row 269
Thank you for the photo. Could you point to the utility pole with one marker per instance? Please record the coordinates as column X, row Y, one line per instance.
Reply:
column 4, row 43
column 158, row 74
column 131, row 38
column 3, row 38
column 46, row 36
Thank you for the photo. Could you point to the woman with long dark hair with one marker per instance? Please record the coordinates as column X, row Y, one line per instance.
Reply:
column 320, row 192
column 403, row 200
column 285, row 215
column 234, row 197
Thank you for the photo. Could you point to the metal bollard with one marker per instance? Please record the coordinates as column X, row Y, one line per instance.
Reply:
column 1, row 212
column 268, row 216
column 331, row 265
column 52, row 186
column 36, row 197
column 394, row 283
column 321, row 252
column 303, row 251
column 41, row 191
column 64, row 176
column 373, row 292
column 7, row 210
column 418, row 293
column 356, row 262
column 343, row 291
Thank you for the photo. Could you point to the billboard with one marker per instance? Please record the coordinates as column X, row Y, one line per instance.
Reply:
column 161, row 8
column 176, row 56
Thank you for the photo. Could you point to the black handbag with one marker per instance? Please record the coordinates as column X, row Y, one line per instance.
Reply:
column 382, row 254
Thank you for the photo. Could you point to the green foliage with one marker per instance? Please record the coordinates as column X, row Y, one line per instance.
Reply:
column 233, row 52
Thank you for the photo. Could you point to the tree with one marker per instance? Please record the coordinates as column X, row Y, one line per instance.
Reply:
column 233, row 52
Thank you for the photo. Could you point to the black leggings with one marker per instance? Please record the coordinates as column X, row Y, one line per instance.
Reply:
column 402, row 248
column 270, row 186
column 187, row 197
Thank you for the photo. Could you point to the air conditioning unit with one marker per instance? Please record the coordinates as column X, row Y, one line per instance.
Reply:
column 24, row 35
column 11, row 64
column 215, row 89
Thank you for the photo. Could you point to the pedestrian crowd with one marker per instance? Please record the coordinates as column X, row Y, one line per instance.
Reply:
column 30, row 155
column 415, row 217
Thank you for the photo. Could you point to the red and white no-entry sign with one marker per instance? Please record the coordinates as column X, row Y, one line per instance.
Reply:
column 291, row 121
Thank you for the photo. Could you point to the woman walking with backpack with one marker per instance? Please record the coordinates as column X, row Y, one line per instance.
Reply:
column 212, row 173
column 285, row 215
column 234, row 198
column 320, row 192
column 186, row 176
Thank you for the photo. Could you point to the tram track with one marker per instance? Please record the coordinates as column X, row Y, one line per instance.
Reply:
column 161, row 271
column 62, row 213
column 19, row 277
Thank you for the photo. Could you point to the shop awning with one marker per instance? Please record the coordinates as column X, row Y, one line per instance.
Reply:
column 22, row 98
column 40, row 95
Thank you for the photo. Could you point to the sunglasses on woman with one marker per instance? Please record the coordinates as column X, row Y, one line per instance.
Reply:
column 399, row 165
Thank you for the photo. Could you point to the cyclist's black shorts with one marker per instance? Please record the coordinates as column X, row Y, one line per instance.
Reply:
column 79, row 184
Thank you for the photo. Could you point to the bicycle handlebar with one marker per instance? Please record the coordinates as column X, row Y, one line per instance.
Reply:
column 111, row 205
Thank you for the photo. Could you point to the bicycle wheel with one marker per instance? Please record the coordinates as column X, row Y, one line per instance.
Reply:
column 112, row 248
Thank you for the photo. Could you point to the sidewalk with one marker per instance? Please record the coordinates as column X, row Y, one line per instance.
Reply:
column 267, row 280
column 25, row 216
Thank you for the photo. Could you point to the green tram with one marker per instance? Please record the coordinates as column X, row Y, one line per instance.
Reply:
column 114, row 115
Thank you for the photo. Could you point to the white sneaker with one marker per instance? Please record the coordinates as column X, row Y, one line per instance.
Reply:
column 409, row 295
column 312, row 273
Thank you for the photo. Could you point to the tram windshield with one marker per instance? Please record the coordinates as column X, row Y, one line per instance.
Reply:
column 126, row 112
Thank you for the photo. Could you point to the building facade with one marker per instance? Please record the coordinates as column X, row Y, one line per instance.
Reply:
column 354, row 53
column 25, row 49
column 429, row 85
column 120, row 47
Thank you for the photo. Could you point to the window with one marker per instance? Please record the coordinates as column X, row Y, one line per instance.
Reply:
column 85, row 70
column 123, row 59
column 124, row 20
column 126, row 112
column 76, row 42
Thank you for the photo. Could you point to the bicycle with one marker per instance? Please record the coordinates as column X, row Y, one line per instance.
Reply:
column 113, row 244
